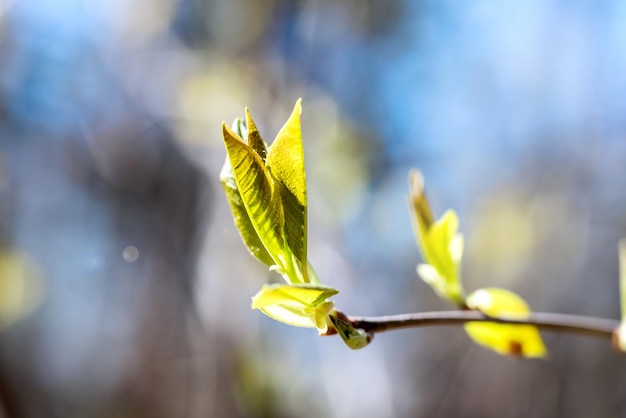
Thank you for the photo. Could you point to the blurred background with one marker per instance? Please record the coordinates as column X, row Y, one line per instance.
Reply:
column 125, row 288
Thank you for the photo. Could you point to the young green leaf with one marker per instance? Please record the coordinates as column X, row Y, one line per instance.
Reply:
column 266, row 189
column 241, row 129
column 240, row 215
column 259, row 196
column 505, row 339
column 285, row 162
column 440, row 244
column 352, row 337
column 297, row 305
column 444, row 249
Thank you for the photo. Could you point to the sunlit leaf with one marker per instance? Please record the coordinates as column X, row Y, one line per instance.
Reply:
column 254, row 138
column 444, row 250
column 242, row 220
column 266, row 189
column 240, row 215
column 285, row 162
column 439, row 243
column 290, row 313
column 306, row 295
column 259, row 196
column 505, row 339
column 443, row 244
column 299, row 305
column 352, row 337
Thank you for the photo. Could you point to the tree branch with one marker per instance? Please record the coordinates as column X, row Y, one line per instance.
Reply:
column 576, row 324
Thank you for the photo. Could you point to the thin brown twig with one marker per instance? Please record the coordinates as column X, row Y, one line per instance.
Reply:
column 591, row 326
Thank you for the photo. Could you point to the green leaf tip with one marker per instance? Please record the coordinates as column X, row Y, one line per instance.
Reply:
column 254, row 138
column 285, row 157
column 418, row 200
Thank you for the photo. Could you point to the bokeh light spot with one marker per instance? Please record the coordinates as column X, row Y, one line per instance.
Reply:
column 130, row 254
column 94, row 263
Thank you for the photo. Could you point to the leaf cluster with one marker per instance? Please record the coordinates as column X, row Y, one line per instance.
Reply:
column 266, row 189
column 441, row 247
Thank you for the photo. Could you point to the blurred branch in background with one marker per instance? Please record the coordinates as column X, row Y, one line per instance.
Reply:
column 100, row 196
